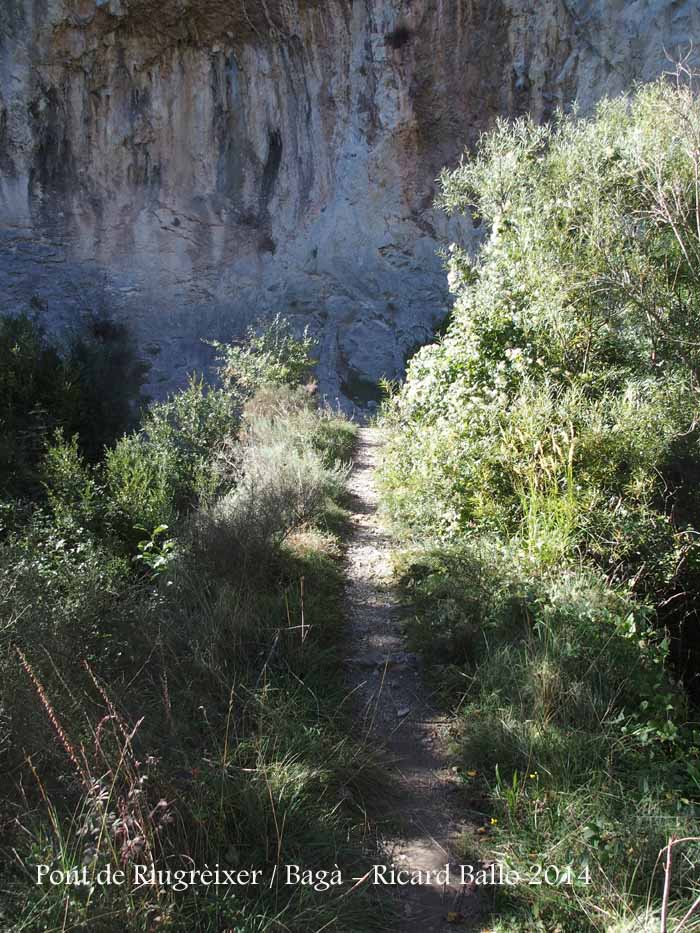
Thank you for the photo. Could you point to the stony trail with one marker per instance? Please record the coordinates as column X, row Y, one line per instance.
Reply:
column 424, row 821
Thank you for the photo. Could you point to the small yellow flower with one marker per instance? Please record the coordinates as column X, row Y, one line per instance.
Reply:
column 472, row 773
column 533, row 775
column 494, row 821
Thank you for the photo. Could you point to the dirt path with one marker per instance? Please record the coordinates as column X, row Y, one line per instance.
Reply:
column 396, row 710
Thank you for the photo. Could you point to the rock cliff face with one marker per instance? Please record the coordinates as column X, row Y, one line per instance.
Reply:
column 188, row 165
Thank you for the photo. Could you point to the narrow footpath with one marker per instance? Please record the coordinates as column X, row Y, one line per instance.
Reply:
column 421, row 830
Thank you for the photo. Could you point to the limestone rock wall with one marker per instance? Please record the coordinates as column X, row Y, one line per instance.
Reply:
column 189, row 165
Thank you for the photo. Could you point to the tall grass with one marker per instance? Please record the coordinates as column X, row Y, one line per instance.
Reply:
column 172, row 697
column 560, row 734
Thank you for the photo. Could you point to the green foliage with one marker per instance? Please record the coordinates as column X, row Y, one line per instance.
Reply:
column 281, row 476
column 160, row 702
column 161, row 472
column 193, row 423
column 329, row 432
column 591, row 267
column 62, row 594
column 566, row 724
column 548, row 446
column 70, row 485
column 157, row 552
column 33, row 383
column 141, row 481
column 88, row 388
column 561, row 406
column 270, row 354
column 334, row 438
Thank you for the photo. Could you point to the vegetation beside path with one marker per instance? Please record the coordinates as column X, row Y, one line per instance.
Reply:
column 542, row 469
column 171, row 682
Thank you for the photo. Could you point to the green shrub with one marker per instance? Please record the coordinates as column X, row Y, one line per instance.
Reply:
column 193, row 423
column 334, row 438
column 294, row 411
column 270, row 353
column 70, row 484
column 280, row 480
column 160, row 473
column 63, row 597
column 567, row 725
column 33, row 384
column 545, row 451
column 561, row 406
column 141, row 481
column 159, row 700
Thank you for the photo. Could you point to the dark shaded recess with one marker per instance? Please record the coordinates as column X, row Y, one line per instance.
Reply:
column 229, row 129
column 109, row 375
column 271, row 169
column 359, row 389
column 680, row 616
column 300, row 110
column 401, row 36
column 140, row 99
column 229, row 171
column 201, row 23
column 89, row 386
column 521, row 83
column 475, row 36
column 52, row 166
column 267, row 245
column 417, row 345
column 249, row 218
column 682, row 624
column 142, row 172
column 7, row 166
column 39, row 304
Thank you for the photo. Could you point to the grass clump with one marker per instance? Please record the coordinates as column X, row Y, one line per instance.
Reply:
column 544, row 452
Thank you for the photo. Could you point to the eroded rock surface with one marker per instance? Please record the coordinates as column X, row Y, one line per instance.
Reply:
column 188, row 165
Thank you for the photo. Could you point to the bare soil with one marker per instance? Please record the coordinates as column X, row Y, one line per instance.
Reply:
column 423, row 824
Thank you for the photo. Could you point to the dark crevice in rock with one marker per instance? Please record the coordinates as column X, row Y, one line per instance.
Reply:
column 401, row 36
column 229, row 127
column 271, row 169
column 7, row 166
column 267, row 245
column 52, row 170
